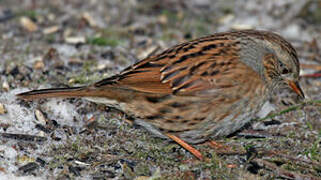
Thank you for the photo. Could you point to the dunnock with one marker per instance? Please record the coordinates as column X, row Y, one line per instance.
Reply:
column 208, row 87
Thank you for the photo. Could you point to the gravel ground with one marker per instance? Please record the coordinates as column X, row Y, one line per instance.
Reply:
column 70, row 43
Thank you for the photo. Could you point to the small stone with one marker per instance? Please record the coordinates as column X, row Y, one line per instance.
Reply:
column 67, row 32
column 89, row 19
column 28, row 24
column 81, row 163
column 10, row 153
column 241, row 26
column 75, row 40
column 226, row 19
column 40, row 117
column 162, row 19
column 5, row 86
column 50, row 30
column 39, row 65
column 202, row 3
column 128, row 173
column 142, row 178
column 75, row 61
column 156, row 175
column 41, row 134
column 2, row 109
column 51, row 17
column 25, row 159
column 102, row 66
column 71, row 81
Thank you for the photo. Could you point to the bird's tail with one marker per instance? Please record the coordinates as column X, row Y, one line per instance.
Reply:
column 54, row 92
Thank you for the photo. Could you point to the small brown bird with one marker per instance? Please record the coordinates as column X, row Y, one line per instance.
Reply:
column 205, row 88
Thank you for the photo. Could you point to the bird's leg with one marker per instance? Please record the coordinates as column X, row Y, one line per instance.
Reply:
column 186, row 146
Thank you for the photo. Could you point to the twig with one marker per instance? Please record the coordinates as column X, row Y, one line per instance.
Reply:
column 292, row 108
column 311, row 66
column 291, row 158
column 314, row 75
column 23, row 137
column 282, row 172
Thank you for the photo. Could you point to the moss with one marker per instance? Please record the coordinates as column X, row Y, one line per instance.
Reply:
column 167, row 36
column 29, row 13
column 171, row 16
column 314, row 152
column 311, row 12
column 50, row 38
column 116, row 33
column 103, row 41
column 142, row 169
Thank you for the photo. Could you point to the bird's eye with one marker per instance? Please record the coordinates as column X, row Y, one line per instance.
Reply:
column 283, row 68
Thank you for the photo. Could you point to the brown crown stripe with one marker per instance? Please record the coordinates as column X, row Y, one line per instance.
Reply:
column 274, row 38
column 220, row 36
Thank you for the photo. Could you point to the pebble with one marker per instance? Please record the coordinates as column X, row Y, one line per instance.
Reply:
column 5, row 86
column 28, row 24
column 89, row 19
column 40, row 117
column 38, row 65
column 2, row 109
column 75, row 39
column 50, row 30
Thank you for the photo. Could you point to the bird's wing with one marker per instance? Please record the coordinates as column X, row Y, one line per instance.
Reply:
column 204, row 65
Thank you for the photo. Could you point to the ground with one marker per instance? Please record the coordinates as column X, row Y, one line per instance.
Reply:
column 70, row 43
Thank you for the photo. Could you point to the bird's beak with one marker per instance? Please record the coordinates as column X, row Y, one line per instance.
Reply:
column 296, row 88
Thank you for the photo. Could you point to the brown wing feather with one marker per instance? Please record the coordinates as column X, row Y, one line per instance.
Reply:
column 184, row 69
